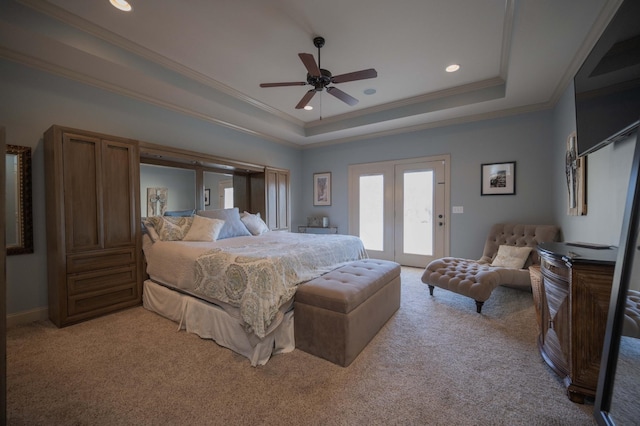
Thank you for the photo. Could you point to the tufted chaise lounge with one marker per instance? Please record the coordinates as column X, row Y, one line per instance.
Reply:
column 477, row 278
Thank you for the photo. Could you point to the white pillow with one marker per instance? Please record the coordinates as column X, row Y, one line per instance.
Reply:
column 254, row 223
column 233, row 226
column 511, row 257
column 204, row 229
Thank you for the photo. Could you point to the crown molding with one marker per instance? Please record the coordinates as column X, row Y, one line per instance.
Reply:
column 426, row 98
column 110, row 37
column 438, row 123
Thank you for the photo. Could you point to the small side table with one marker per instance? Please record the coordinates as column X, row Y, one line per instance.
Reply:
column 318, row 230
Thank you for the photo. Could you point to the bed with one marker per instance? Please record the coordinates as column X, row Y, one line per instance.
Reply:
column 237, row 288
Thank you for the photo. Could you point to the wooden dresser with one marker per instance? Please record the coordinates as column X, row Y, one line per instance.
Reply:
column 93, row 232
column 572, row 304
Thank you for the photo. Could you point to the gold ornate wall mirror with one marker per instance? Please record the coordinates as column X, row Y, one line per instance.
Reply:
column 19, row 219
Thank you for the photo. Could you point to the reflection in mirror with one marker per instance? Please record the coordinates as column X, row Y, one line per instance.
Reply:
column 626, row 384
column 218, row 189
column 18, row 222
column 164, row 188
column 619, row 381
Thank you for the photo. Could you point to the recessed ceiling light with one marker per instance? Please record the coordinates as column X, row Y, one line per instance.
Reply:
column 452, row 68
column 121, row 4
column 308, row 107
column 370, row 91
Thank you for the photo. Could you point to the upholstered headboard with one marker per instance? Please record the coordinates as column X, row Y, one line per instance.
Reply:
column 518, row 235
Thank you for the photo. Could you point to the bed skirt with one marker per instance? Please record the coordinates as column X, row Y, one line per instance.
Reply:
column 210, row 321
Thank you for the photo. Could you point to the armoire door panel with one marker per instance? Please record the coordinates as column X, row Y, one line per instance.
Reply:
column 118, row 192
column 283, row 200
column 82, row 187
column 592, row 293
column 272, row 196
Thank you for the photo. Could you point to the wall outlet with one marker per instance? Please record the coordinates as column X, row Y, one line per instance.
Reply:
column 458, row 209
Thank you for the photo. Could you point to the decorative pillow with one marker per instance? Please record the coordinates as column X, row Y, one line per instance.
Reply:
column 147, row 227
column 511, row 256
column 204, row 229
column 180, row 213
column 233, row 226
column 170, row 228
column 254, row 223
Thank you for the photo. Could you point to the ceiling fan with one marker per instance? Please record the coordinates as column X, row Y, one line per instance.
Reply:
column 320, row 78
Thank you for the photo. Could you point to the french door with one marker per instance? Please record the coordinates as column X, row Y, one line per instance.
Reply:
column 398, row 209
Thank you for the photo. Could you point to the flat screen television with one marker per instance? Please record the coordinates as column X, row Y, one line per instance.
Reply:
column 607, row 85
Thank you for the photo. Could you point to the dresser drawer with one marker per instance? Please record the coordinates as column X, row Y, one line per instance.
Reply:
column 101, row 302
column 91, row 261
column 101, row 280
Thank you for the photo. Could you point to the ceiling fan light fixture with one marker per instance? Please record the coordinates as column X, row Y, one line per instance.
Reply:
column 308, row 107
column 321, row 78
column 370, row 91
column 452, row 68
column 121, row 4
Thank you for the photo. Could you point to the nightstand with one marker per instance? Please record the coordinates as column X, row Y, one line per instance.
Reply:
column 318, row 230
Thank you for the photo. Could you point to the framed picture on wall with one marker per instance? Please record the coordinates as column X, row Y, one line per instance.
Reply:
column 498, row 178
column 207, row 197
column 322, row 189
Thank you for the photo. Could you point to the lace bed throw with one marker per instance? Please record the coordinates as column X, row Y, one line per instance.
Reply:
column 260, row 277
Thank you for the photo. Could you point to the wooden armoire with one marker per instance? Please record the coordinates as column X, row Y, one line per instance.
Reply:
column 93, row 224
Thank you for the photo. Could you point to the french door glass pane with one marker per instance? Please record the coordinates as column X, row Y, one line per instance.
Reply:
column 228, row 198
column 372, row 211
column 418, row 213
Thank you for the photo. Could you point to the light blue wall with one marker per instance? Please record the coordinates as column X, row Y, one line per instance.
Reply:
column 32, row 101
column 608, row 172
column 525, row 139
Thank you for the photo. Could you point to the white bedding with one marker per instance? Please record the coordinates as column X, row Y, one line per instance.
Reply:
column 209, row 321
column 255, row 274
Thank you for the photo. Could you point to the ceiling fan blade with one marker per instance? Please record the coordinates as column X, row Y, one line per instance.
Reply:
column 357, row 75
column 310, row 64
column 348, row 99
column 290, row 83
column 305, row 99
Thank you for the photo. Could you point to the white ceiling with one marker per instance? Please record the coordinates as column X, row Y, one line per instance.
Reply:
column 207, row 58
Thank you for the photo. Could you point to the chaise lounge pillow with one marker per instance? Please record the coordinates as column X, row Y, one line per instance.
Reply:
column 511, row 257
column 233, row 226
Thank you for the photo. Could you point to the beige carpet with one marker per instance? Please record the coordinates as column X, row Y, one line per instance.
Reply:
column 436, row 362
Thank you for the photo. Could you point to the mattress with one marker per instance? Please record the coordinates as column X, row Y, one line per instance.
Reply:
column 252, row 277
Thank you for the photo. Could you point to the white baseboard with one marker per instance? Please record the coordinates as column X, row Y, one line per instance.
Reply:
column 27, row 317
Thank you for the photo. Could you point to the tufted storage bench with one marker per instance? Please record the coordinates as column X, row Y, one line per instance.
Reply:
column 337, row 314
column 477, row 278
